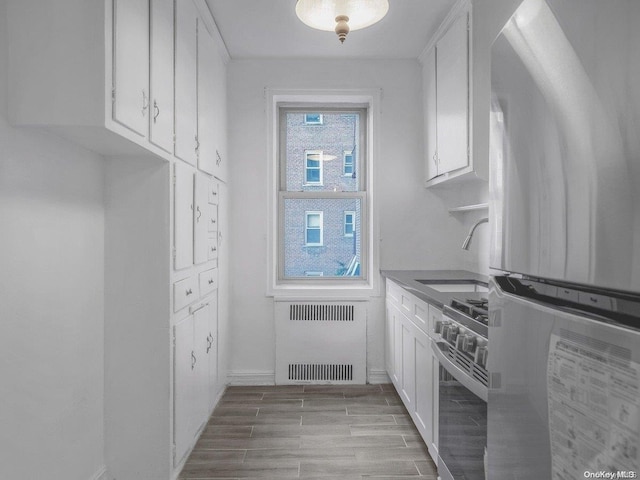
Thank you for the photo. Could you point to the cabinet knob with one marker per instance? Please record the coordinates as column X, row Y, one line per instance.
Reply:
column 189, row 292
column 210, row 281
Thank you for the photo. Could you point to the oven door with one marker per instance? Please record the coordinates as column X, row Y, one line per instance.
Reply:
column 462, row 418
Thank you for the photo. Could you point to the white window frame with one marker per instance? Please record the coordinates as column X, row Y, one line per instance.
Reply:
column 320, row 213
column 344, row 163
column 313, row 122
column 370, row 284
column 353, row 223
column 320, row 167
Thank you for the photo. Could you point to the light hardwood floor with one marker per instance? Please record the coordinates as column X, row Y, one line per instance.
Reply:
column 348, row 432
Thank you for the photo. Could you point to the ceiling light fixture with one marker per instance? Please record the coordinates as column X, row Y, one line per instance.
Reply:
column 341, row 16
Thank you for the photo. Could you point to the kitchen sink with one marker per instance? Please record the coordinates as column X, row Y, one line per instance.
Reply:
column 455, row 285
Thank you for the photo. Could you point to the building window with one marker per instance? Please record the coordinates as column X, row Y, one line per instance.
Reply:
column 347, row 164
column 322, row 213
column 349, row 223
column 313, row 119
column 313, row 160
column 313, row 229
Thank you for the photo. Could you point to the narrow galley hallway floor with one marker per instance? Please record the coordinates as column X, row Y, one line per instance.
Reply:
column 346, row 432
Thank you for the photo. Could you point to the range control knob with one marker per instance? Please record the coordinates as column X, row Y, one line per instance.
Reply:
column 451, row 333
column 468, row 343
column 440, row 325
column 481, row 356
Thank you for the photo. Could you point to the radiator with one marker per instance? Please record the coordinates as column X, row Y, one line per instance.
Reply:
column 321, row 342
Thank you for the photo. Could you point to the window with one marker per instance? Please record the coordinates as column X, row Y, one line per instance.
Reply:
column 313, row 119
column 347, row 164
column 322, row 212
column 349, row 223
column 313, row 160
column 313, row 229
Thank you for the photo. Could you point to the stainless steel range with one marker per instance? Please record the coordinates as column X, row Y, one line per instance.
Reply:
column 462, row 350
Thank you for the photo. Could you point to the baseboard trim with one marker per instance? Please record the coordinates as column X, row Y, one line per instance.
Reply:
column 378, row 376
column 245, row 378
column 101, row 474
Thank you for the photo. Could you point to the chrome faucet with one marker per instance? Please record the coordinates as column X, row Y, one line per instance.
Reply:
column 467, row 241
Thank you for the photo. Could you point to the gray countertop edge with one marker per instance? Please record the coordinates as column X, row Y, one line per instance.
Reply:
column 407, row 280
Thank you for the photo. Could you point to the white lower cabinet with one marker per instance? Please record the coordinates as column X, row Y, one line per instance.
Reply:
column 411, row 363
column 195, row 355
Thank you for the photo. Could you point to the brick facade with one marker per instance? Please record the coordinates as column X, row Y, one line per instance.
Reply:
column 337, row 134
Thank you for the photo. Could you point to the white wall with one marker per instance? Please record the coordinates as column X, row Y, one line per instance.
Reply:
column 414, row 226
column 51, row 302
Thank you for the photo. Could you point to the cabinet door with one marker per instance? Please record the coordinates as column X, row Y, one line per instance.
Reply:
column 201, row 370
column 220, row 114
column 206, row 101
column 212, row 353
column 183, row 216
column 430, row 109
column 396, row 376
column 183, row 386
column 452, row 57
column 161, row 81
column 408, row 364
column 435, row 379
column 201, row 219
column 131, row 64
column 389, row 341
column 423, row 408
column 186, row 101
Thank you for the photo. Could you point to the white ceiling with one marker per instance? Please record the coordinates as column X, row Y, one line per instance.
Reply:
column 270, row 28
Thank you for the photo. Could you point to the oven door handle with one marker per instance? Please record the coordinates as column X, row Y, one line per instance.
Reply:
column 463, row 377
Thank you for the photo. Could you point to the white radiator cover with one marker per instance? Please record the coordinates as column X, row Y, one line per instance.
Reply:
column 321, row 342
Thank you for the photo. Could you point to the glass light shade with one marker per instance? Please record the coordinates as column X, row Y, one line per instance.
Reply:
column 321, row 14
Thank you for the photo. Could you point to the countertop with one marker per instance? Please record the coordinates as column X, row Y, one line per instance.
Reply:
column 407, row 280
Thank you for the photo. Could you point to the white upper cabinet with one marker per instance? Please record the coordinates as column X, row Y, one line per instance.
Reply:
column 186, row 98
column 431, row 114
column 447, row 91
column 131, row 64
column 161, row 82
column 183, row 216
column 206, row 101
column 452, row 71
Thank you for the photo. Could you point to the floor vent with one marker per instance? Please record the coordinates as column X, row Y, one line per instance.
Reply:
column 335, row 373
column 321, row 342
column 321, row 312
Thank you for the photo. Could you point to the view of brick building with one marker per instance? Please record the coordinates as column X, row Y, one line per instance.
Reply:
column 322, row 235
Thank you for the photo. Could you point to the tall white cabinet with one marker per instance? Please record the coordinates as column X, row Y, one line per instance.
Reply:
column 106, row 77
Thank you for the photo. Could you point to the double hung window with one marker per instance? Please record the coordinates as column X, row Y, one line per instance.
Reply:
column 322, row 210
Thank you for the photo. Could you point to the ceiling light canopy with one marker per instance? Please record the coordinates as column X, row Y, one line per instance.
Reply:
column 341, row 16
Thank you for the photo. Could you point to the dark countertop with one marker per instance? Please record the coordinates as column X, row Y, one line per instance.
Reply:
column 407, row 280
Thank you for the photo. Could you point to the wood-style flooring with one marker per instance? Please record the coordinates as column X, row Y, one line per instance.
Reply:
column 349, row 432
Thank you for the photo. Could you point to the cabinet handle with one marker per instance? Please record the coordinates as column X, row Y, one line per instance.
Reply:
column 210, row 281
column 209, row 342
column 156, row 110
column 193, row 359
column 218, row 159
column 435, row 158
column 189, row 292
column 145, row 102
column 213, row 249
column 197, row 144
column 214, row 193
column 213, row 220
column 199, row 213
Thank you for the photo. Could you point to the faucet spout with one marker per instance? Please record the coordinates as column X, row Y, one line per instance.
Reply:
column 467, row 241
